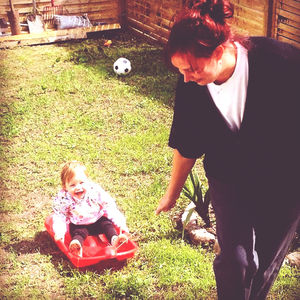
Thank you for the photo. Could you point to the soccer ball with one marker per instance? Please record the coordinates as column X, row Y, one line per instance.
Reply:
column 122, row 66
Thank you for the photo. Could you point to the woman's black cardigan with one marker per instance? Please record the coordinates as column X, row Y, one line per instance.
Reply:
column 265, row 151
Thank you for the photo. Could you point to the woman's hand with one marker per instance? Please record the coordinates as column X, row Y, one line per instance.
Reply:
column 165, row 204
column 180, row 170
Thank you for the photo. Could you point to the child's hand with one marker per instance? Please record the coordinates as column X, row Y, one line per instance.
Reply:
column 59, row 238
column 123, row 238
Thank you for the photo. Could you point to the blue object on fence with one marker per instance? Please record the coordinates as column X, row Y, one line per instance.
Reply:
column 66, row 22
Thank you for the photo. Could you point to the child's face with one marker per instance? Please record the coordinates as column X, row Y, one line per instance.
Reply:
column 76, row 187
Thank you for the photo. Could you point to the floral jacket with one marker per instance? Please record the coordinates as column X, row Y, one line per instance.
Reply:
column 95, row 204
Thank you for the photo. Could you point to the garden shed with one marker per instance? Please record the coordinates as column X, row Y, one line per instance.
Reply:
column 152, row 18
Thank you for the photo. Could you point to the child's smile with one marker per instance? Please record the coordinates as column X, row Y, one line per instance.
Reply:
column 80, row 194
column 76, row 186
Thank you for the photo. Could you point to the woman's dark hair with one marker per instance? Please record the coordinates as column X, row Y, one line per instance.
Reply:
column 200, row 28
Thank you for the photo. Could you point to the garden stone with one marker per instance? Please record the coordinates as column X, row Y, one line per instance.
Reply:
column 192, row 218
column 177, row 223
column 201, row 236
column 294, row 259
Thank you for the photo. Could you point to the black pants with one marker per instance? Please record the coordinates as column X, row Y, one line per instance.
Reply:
column 254, row 234
column 102, row 226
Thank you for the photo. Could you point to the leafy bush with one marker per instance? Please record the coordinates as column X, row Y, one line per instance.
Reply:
column 194, row 190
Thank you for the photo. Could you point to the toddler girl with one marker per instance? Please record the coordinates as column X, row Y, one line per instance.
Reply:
column 86, row 208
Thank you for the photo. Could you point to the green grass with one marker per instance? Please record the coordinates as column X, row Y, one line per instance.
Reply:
column 61, row 102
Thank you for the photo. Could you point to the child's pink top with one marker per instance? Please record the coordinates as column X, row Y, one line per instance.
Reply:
column 95, row 204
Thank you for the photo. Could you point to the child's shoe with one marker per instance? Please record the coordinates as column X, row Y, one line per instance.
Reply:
column 118, row 240
column 75, row 248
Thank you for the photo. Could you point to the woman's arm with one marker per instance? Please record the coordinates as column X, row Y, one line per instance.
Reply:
column 181, row 169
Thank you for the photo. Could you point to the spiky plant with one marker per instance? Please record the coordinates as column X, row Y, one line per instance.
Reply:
column 192, row 189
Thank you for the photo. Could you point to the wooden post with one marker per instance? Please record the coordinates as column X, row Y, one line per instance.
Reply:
column 271, row 18
column 13, row 17
column 123, row 13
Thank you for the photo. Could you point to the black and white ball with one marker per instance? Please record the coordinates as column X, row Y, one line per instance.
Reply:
column 122, row 66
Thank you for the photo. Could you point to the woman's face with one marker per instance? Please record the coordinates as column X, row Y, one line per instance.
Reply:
column 200, row 70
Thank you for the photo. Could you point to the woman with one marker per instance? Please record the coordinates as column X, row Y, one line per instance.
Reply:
column 237, row 103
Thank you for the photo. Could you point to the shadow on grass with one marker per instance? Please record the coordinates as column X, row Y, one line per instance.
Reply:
column 44, row 245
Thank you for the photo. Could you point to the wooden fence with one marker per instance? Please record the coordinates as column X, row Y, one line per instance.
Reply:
column 97, row 10
column 103, row 14
column 287, row 21
column 154, row 18
column 274, row 18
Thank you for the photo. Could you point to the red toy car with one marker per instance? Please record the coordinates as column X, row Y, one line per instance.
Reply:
column 95, row 248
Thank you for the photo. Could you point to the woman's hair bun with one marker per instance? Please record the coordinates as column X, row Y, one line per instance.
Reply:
column 217, row 10
column 200, row 27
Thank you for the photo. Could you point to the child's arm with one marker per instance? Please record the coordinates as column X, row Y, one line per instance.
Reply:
column 59, row 227
column 112, row 211
column 60, row 208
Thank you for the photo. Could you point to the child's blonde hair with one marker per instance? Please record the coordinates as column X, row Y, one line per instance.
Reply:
column 68, row 171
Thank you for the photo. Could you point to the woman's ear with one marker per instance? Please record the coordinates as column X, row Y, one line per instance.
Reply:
column 218, row 52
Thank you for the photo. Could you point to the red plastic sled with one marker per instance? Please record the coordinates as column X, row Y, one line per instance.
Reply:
column 95, row 248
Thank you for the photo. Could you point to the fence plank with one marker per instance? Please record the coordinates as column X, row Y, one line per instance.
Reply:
column 290, row 30
column 288, row 40
column 290, row 8
column 145, row 30
column 156, row 18
column 288, row 15
column 74, row 7
column 288, row 21
column 245, row 26
column 250, row 15
column 291, row 3
column 52, row 36
column 255, row 4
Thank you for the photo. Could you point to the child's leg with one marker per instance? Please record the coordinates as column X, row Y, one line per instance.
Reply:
column 79, row 232
column 104, row 226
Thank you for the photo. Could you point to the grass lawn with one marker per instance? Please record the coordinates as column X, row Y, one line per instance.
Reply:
column 61, row 102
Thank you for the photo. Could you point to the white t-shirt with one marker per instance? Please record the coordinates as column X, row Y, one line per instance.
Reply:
column 230, row 96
